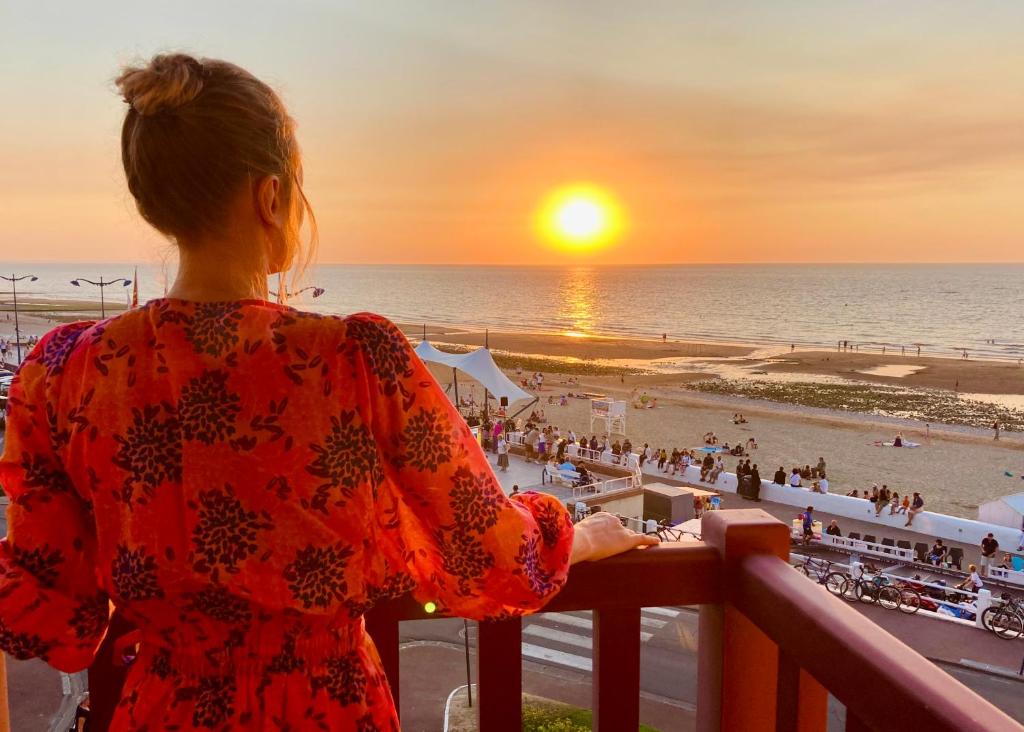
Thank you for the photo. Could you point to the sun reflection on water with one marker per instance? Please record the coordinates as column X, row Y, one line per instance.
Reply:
column 579, row 301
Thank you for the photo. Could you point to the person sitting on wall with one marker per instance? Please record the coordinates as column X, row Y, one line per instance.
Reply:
column 705, row 467
column 938, row 553
column 780, row 476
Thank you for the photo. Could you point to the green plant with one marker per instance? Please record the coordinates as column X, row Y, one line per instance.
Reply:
column 538, row 717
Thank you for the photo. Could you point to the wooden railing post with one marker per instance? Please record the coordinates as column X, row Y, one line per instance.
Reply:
column 5, row 716
column 500, row 675
column 616, row 684
column 382, row 627
column 738, row 665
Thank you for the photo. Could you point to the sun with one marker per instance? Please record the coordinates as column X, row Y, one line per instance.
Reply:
column 580, row 217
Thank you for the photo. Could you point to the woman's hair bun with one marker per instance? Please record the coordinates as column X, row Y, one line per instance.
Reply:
column 166, row 83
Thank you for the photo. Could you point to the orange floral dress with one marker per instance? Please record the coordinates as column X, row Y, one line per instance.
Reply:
column 243, row 481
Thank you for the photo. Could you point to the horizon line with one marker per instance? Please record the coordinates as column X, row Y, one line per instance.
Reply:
column 145, row 262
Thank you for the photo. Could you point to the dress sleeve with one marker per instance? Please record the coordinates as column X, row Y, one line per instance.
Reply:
column 442, row 515
column 50, row 604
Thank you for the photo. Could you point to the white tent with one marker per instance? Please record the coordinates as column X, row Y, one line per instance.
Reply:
column 1005, row 511
column 480, row 365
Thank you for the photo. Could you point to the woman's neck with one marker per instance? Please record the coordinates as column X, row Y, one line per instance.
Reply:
column 214, row 278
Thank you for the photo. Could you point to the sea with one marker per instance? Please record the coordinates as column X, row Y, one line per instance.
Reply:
column 943, row 308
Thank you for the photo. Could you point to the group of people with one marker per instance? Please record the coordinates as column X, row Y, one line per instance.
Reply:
column 883, row 497
column 797, row 476
column 9, row 345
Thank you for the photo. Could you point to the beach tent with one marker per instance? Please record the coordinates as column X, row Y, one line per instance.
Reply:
column 480, row 365
column 1005, row 511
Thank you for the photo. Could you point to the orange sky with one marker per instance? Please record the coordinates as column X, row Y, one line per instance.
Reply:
column 752, row 132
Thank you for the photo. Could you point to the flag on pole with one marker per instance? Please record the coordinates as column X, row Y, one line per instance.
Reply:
column 135, row 289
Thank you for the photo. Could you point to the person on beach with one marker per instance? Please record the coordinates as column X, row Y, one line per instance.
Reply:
column 716, row 471
column 807, row 518
column 780, row 476
column 989, row 547
column 705, row 467
column 882, row 500
column 820, row 468
column 502, row 450
column 973, row 582
column 916, row 506
column 821, row 485
column 897, row 441
column 755, row 483
column 995, row 429
column 240, row 513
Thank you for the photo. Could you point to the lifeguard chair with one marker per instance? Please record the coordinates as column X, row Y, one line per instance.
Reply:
column 610, row 414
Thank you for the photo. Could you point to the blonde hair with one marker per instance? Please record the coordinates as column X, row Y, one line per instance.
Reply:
column 195, row 131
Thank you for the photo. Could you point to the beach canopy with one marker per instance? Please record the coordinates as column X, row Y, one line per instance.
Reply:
column 1005, row 511
column 480, row 365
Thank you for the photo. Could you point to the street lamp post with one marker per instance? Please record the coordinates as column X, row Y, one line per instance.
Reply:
column 317, row 292
column 102, row 284
column 14, row 291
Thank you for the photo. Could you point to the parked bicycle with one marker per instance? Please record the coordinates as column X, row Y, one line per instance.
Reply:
column 871, row 590
column 821, row 570
column 1005, row 620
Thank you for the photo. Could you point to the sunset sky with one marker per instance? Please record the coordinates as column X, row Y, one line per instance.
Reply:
column 728, row 132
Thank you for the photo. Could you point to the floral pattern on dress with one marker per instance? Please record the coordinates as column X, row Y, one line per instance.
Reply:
column 241, row 482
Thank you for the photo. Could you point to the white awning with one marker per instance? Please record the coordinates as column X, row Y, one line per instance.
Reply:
column 480, row 365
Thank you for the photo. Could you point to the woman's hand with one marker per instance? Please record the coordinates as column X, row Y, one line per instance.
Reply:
column 603, row 535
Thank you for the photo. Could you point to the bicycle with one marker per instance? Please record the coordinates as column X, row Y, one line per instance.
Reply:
column 822, row 570
column 910, row 597
column 1006, row 621
column 667, row 532
column 869, row 591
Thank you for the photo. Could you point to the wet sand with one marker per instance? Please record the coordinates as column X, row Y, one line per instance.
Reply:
column 972, row 376
column 584, row 347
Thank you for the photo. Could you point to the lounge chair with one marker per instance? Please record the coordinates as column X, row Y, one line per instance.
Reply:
column 888, row 542
column 869, row 538
column 921, row 551
column 853, row 535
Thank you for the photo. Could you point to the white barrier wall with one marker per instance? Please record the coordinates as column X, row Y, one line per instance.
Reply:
column 937, row 525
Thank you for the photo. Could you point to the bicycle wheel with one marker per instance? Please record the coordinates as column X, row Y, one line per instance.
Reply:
column 910, row 601
column 849, row 589
column 865, row 592
column 889, row 597
column 834, row 583
column 1004, row 623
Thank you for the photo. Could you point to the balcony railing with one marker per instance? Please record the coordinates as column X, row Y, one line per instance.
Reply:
column 772, row 645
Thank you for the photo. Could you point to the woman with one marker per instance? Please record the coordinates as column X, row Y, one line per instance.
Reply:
column 241, row 480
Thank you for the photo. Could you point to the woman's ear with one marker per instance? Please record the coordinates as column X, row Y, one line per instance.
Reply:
column 269, row 204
